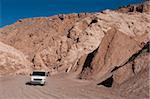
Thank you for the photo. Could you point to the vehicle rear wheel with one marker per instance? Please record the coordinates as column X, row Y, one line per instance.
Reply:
column 42, row 84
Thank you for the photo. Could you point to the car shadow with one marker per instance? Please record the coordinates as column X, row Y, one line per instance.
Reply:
column 28, row 83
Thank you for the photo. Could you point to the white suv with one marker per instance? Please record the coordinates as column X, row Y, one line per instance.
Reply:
column 38, row 77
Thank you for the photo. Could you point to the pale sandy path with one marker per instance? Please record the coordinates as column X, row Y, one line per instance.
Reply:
column 56, row 88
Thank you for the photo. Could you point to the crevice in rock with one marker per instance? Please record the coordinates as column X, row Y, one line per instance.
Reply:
column 133, row 67
column 59, row 59
column 33, row 60
column 131, row 9
column 95, row 20
column 87, row 63
column 109, row 43
column 77, row 40
column 78, row 15
column 61, row 17
column 30, row 35
column 68, row 35
column 108, row 82
column 19, row 20
column 139, row 9
column 87, row 68
column 146, row 48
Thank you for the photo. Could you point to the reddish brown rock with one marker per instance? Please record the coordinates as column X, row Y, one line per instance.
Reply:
column 110, row 47
column 98, row 46
column 13, row 61
column 114, row 50
column 143, row 7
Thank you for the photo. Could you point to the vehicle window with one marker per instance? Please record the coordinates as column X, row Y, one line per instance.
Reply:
column 38, row 74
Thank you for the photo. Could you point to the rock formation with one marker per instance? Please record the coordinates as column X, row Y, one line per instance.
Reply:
column 57, row 45
column 143, row 7
column 111, row 46
column 13, row 61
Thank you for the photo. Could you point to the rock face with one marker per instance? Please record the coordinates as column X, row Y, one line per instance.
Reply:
column 13, row 61
column 114, row 50
column 133, row 76
column 136, row 63
column 144, row 7
column 57, row 43
column 100, row 46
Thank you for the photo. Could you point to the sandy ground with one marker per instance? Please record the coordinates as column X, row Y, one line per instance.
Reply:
column 57, row 87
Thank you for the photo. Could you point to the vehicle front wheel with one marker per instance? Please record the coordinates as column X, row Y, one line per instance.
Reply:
column 42, row 84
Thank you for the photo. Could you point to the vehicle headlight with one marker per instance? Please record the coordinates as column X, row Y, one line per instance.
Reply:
column 31, row 79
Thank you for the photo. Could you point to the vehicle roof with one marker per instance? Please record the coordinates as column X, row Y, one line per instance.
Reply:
column 39, row 71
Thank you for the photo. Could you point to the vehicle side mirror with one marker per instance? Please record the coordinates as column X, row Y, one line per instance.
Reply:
column 30, row 74
column 47, row 73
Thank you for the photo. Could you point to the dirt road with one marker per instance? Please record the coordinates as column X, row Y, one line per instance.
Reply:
column 56, row 88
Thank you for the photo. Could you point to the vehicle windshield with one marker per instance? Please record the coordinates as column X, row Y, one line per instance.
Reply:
column 38, row 74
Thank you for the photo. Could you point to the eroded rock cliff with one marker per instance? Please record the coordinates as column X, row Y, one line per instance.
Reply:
column 111, row 46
